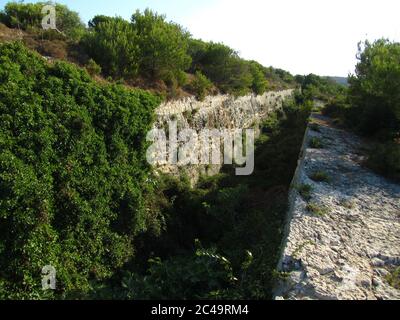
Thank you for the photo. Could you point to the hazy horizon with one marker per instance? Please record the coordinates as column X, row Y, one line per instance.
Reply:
column 302, row 37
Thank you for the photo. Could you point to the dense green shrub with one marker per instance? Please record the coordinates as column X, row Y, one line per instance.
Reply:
column 385, row 159
column 260, row 83
column 222, row 66
column 111, row 42
column 148, row 46
column 72, row 173
column 28, row 16
column 324, row 89
column 93, row 68
column 200, row 85
column 162, row 45
column 241, row 217
column 337, row 108
column 232, row 74
column 197, row 50
column 203, row 275
column 375, row 89
column 148, row 50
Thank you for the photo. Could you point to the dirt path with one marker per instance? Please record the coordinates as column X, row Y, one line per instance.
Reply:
column 344, row 239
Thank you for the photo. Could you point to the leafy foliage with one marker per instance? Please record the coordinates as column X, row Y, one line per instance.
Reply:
column 111, row 44
column 316, row 87
column 72, row 173
column 93, row 68
column 260, row 83
column 28, row 16
column 200, row 85
column 162, row 45
column 147, row 51
column 385, row 159
column 375, row 88
column 187, row 277
column 147, row 46
column 222, row 66
column 219, row 212
column 372, row 106
column 232, row 74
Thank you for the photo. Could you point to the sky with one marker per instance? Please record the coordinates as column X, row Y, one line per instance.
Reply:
column 301, row 36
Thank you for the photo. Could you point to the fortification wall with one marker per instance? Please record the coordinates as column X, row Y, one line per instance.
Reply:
column 216, row 112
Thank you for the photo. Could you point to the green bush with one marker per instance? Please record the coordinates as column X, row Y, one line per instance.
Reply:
column 336, row 108
column 259, row 85
column 111, row 43
column 200, row 86
column 316, row 87
column 198, row 276
column 28, row 16
column 375, row 89
column 222, row 65
column 73, row 173
column 393, row 278
column 385, row 159
column 93, row 68
column 162, row 45
column 181, row 78
column 148, row 46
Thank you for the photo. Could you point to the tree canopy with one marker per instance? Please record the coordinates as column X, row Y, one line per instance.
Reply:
column 112, row 43
column 375, row 87
column 28, row 16
column 162, row 45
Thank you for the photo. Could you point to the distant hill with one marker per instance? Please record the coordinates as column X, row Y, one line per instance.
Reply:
column 340, row 80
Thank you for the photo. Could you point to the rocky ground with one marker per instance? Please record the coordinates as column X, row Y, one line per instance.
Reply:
column 344, row 231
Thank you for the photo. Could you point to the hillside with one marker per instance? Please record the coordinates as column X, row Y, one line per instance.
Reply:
column 161, row 57
column 80, row 194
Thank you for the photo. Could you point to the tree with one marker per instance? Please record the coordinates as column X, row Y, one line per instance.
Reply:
column 223, row 66
column 259, row 85
column 29, row 16
column 375, row 88
column 113, row 44
column 162, row 45
column 197, row 49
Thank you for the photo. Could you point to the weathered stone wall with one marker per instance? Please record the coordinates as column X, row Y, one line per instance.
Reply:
column 216, row 112
column 342, row 240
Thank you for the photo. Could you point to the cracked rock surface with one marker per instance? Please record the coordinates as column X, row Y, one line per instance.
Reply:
column 350, row 244
column 216, row 112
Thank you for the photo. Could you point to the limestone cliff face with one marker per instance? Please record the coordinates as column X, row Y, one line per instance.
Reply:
column 221, row 111
column 216, row 112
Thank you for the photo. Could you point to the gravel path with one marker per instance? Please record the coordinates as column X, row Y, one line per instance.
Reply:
column 344, row 239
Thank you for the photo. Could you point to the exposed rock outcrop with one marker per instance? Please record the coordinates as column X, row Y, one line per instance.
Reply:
column 343, row 235
column 216, row 112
